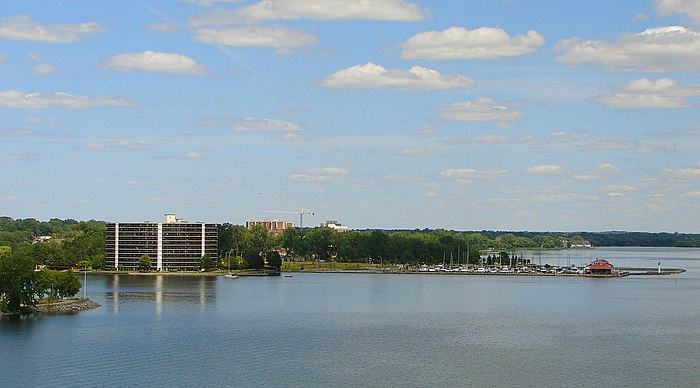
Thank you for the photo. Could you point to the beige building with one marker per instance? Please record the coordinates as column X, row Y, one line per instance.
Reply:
column 274, row 226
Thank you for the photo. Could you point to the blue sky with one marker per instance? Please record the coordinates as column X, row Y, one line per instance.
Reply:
column 510, row 115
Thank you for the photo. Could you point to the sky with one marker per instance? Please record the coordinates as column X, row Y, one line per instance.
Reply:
column 540, row 115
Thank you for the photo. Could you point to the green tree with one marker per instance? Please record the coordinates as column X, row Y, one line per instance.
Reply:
column 259, row 242
column 98, row 261
column 376, row 244
column 206, row 262
column 321, row 241
column 145, row 263
column 46, row 283
column 293, row 240
column 274, row 260
column 68, row 284
column 17, row 280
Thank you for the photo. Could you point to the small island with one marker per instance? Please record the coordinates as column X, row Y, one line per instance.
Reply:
column 27, row 288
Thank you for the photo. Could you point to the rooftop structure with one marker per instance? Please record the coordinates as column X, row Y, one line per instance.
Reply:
column 600, row 267
column 335, row 225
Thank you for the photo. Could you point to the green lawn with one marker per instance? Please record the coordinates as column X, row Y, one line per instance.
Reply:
column 293, row 266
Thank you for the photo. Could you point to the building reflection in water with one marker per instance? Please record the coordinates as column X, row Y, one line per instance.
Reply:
column 162, row 290
column 115, row 293
column 159, row 294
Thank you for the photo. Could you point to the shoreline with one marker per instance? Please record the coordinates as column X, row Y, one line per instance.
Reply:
column 180, row 273
column 623, row 272
column 59, row 307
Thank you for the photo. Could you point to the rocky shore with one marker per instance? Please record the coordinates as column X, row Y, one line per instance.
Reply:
column 67, row 306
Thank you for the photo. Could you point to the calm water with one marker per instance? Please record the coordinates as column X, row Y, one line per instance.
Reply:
column 371, row 330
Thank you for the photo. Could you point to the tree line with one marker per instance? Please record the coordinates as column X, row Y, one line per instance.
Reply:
column 81, row 244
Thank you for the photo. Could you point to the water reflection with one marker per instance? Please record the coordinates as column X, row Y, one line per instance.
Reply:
column 161, row 290
column 115, row 299
column 159, row 294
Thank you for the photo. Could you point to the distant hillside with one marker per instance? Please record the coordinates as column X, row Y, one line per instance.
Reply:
column 601, row 239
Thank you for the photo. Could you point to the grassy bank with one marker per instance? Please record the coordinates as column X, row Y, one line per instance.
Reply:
column 296, row 266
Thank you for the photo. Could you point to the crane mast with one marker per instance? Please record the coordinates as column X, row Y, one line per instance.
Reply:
column 300, row 213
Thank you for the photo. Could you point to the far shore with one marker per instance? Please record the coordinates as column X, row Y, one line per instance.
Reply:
column 393, row 271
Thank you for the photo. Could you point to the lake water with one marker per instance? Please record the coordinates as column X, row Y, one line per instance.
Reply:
column 372, row 330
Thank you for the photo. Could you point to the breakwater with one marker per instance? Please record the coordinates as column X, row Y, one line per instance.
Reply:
column 69, row 306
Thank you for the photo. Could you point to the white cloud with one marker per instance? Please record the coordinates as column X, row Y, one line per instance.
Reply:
column 470, row 175
column 292, row 137
column 328, row 170
column 15, row 99
column 680, row 131
column 281, row 38
column 461, row 43
column 155, row 61
column 656, row 50
column 122, row 145
column 610, row 145
column 308, row 178
column 587, row 177
column 606, row 167
column 504, row 125
column 41, row 121
column 566, row 137
column 30, row 133
column 484, row 109
column 252, row 124
column 683, row 172
column 376, row 76
column 656, row 146
column 545, row 170
column 647, row 93
column 43, row 69
column 24, row 28
column 388, row 10
column 490, row 139
column 641, row 17
column 599, row 172
column 319, row 174
column 692, row 194
column 414, row 153
column 426, row 130
column 688, row 7
column 552, row 198
column 34, row 57
column 193, row 155
column 618, row 188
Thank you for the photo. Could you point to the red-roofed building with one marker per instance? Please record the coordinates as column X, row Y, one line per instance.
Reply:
column 600, row 267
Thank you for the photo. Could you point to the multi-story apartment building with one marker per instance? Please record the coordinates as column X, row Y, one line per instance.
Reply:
column 274, row 226
column 174, row 244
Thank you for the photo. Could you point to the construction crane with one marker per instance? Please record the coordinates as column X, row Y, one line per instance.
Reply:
column 300, row 213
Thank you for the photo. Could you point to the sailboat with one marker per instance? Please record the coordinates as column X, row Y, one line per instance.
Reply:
column 229, row 274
